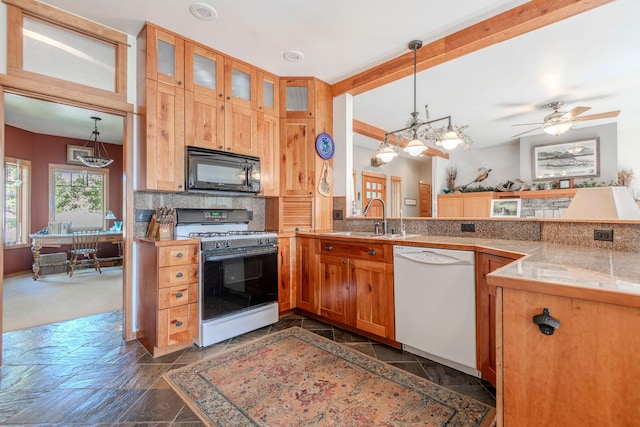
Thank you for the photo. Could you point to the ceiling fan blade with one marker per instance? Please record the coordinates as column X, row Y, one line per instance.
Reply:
column 527, row 124
column 598, row 116
column 530, row 130
column 575, row 112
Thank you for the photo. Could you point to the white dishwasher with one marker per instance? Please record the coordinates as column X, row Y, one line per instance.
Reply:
column 435, row 305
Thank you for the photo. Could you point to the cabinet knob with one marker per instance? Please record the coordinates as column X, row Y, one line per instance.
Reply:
column 373, row 252
column 328, row 248
column 220, row 95
column 344, row 261
column 179, row 295
column 546, row 323
column 179, row 185
column 179, row 275
column 179, row 83
column 228, row 97
column 179, row 255
column 177, row 323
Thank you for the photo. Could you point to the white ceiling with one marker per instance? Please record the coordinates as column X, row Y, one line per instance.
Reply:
column 592, row 59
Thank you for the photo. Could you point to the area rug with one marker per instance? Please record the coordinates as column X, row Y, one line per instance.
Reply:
column 297, row 378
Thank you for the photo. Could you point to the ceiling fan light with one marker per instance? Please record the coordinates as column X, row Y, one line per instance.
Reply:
column 557, row 128
column 415, row 147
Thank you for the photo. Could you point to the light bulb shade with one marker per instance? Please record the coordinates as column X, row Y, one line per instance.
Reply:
column 557, row 128
column 109, row 215
column 451, row 143
column 415, row 147
column 386, row 153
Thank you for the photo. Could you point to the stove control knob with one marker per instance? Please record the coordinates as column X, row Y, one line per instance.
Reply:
column 260, row 242
column 216, row 245
column 227, row 244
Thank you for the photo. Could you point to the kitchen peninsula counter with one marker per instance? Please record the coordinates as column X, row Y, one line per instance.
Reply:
column 597, row 274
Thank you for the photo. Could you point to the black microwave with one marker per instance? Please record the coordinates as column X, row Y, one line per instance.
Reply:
column 214, row 171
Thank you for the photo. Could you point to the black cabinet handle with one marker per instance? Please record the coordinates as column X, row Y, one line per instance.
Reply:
column 179, row 295
column 179, row 275
column 328, row 248
column 373, row 252
column 178, row 323
column 546, row 323
column 179, row 255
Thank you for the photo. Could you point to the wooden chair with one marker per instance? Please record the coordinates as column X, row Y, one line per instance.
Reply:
column 85, row 245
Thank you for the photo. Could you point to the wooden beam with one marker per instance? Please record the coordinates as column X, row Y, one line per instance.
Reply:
column 512, row 23
column 378, row 134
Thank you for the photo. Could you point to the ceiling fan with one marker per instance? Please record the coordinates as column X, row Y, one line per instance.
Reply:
column 560, row 122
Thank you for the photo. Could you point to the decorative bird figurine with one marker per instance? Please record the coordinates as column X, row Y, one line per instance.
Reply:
column 484, row 174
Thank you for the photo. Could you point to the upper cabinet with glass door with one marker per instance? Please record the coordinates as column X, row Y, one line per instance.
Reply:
column 268, row 93
column 164, row 57
column 204, row 71
column 298, row 97
column 240, row 83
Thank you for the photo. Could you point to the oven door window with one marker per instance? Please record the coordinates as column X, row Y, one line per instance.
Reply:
column 236, row 284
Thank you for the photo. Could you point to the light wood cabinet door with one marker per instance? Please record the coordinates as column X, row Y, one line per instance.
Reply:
column 163, row 167
column 374, row 303
column 335, row 288
column 268, row 141
column 285, row 291
column 204, row 71
column 585, row 374
column 297, row 98
column 240, row 130
column 268, row 88
column 450, row 206
column 240, row 84
column 204, row 119
column 297, row 162
column 305, row 275
column 165, row 57
column 486, row 315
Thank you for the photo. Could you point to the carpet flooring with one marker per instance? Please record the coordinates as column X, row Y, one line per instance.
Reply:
column 57, row 297
column 296, row 377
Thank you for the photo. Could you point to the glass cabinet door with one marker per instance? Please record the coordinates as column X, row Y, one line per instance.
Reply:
column 268, row 93
column 299, row 95
column 204, row 71
column 169, row 57
column 240, row 83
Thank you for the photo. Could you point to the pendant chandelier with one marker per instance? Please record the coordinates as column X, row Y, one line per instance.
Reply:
column 416, row 131
column 100, row 158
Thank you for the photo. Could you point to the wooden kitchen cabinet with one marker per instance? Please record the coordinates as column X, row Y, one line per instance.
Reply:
column 470, row 205
column 204, row 121
column 240, row 84
column 268, row 141
column 304, row 272
column 167, row 294
column 268, row 88
column 286, row 294
column 356, row 285
column 298, row 96
column 486, row 314
column 585, row 374
column 163, row 55
column 297, row 157
column 204, row 71
column 240, row 130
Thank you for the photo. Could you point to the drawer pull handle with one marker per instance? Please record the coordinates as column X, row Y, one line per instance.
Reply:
column 179, row 295
column 179, row 275
column 179, row 255
column 177, row 322
column 373, row 252
column 328, row 248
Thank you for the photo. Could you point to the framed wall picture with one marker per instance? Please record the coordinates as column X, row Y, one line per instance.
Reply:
column 505, row 208
column 74, row 150
column 565, row 183
column 410, row 202
column 574, row 159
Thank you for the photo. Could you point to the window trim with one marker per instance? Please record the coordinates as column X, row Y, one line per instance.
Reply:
column 24, row 208
column 66, row 167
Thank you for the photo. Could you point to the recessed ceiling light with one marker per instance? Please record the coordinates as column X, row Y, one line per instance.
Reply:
column 203, row 11
column 293, row 56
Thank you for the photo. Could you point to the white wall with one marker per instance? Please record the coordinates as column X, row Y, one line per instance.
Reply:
column 503, row 161
column 629, row 155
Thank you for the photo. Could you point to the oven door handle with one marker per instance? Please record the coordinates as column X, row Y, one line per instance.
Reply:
column 219, row 257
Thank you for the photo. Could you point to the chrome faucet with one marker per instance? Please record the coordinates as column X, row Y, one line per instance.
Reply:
column 384, row 213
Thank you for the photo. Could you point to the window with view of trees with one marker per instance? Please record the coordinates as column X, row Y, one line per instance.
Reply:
column 78, row 195
column 17, row 188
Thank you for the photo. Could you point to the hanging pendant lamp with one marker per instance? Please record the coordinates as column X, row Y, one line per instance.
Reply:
column 97, row 159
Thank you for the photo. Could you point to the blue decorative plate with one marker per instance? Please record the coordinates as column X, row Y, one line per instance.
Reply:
column 325, row 146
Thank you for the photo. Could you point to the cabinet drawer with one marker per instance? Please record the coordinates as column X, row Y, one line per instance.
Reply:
column 177, row 325
column 178, row 255
column 177, row 295
column 178, row 275
column 366, row 251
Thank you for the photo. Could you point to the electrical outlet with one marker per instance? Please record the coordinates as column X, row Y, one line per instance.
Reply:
column 468, row 228
column 338, row 215
column 144, row 215
column 604, row 235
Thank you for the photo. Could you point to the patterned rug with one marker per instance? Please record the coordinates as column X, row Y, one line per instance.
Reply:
column 297, row 378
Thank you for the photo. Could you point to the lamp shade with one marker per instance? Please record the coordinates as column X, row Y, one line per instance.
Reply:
column 602, row 203
column 109, row 215
column 415, row 147
column 557, row 128
column 386, row 154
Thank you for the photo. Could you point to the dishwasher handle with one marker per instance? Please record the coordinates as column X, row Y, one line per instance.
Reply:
column 432, row 258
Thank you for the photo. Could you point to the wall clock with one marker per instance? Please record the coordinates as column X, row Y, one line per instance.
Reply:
column 325, row 146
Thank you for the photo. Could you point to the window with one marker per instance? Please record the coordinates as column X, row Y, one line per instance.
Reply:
column 17, row 188
column 78, row 195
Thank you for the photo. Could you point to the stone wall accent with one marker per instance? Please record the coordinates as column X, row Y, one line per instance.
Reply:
column 551, row 207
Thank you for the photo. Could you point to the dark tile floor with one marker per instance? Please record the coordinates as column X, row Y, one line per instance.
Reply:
column 81, row 372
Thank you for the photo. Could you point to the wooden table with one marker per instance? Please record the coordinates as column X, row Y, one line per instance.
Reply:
column 39, row 241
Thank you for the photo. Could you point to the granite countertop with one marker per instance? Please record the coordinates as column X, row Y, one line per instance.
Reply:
column 572, row 271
